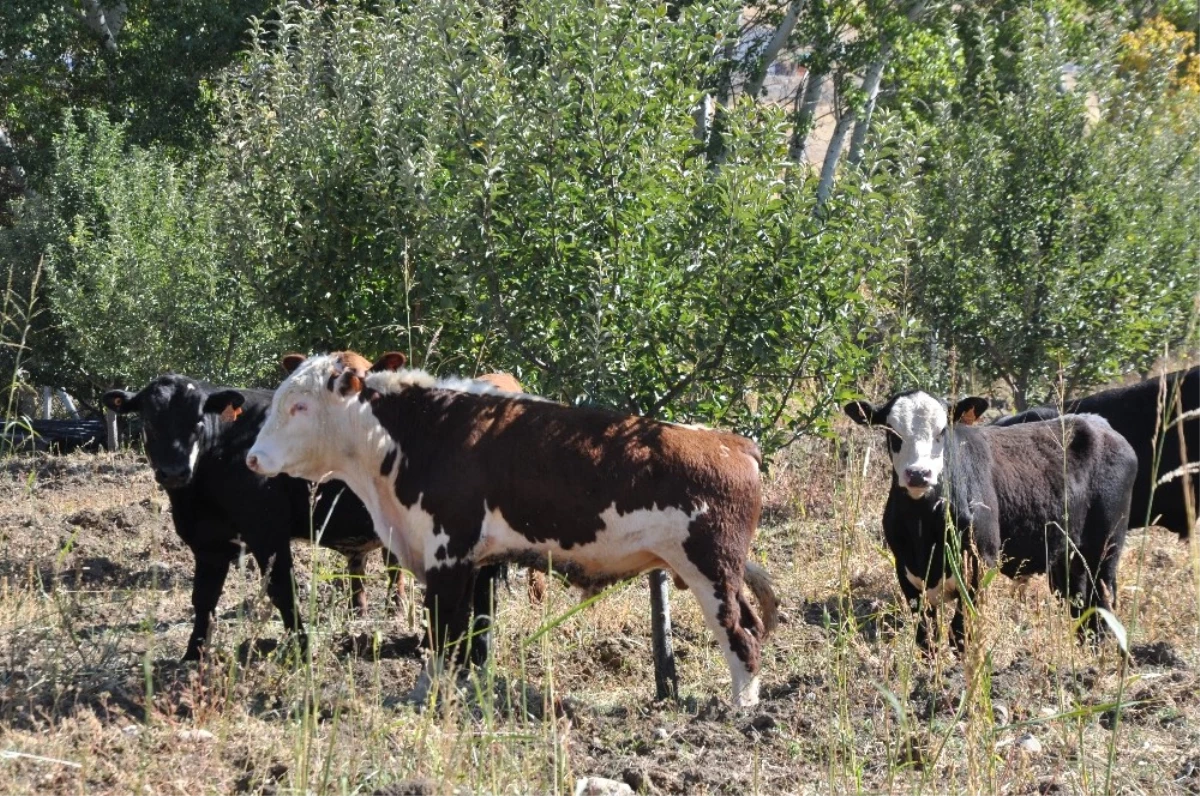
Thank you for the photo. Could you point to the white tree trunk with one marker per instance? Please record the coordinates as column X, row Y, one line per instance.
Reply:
column 105, row 23
column 871, row 84
column 815, row 81
column 829, row 167
column 778, row 39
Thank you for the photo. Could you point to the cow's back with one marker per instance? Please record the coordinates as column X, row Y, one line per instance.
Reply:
column 1133, row 412
column 554, row 470
column 1042, row 484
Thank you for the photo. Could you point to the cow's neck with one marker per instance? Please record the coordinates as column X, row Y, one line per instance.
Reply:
column 370, row 473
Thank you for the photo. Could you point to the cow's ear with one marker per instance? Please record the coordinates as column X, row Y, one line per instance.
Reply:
column 122, row 401
column 349, row 383
column 291, row 361
column 969, row 411
column 226, row 403
column 862, row 412
column 392, row 360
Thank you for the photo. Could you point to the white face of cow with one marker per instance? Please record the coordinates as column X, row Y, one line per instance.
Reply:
column 916, row 424
column 301, row 432
column 917, row 438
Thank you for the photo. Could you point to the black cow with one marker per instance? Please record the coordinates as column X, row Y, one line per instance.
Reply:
column 197, row 436
column 1134, row 412
column 1004, row 490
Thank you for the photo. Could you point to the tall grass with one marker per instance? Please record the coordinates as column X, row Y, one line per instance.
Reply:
column 87, row 669
column 17, row 315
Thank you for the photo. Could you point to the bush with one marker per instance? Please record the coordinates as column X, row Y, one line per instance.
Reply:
column 136, row 251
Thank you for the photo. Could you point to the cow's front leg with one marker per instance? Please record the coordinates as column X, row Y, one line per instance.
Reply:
column 448, row 603
column 207, row 583
column 480, row 642
column 276, row 565
column 356, row 567
column 925, row 614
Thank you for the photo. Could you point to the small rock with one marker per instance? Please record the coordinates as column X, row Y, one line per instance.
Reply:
column 1000, row 713
column 638, row 780
column 763, row 723
column 194, row 736
column 661, row 734
column 1029, row 744
column 132, row 730
column 599, row 786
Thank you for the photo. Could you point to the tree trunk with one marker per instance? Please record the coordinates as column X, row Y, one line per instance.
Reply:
column 105, row 23
column 798, row 150
column 871, row 83
column 832, row 155
column 771, row 52
column 110, row 428
column 666, row 681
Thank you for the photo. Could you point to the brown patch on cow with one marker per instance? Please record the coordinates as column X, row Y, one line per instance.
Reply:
column 350, row 382
column 969, row 418
column 351, row 360
column 392, row 360
column 502, row 381
column 291, row 361
column 230, row 413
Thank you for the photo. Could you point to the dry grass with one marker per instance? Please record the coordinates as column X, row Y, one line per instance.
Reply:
column 94, row 611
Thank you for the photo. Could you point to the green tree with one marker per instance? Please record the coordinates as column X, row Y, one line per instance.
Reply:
column 1060, row 216
column 136, row 250
column 529, row 192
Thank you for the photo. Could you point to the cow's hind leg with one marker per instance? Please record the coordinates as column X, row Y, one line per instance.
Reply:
column 276, row 566
column 480, row 641
column 732, row 620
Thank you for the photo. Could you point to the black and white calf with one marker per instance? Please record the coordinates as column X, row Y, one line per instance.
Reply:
column 1048, row 497
column 196, row 440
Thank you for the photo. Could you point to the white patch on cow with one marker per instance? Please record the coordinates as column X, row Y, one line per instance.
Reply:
column 190, row 387
column 194, row 456
column 920, row 421
column 630, row 544
column 936, row 594
column 390, row 381
column 436, row 539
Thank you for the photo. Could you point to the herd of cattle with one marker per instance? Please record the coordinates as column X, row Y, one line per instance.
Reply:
column 454, row 479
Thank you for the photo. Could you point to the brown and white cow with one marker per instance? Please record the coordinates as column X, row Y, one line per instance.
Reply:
column 457, row 475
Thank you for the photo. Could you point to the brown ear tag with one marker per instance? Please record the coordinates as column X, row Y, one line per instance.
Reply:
column 969, row 418
column 230, row 413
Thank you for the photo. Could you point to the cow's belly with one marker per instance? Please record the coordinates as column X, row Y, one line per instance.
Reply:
column 630, row 544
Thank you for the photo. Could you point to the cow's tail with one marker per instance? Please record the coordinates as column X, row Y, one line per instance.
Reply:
column 759, row 582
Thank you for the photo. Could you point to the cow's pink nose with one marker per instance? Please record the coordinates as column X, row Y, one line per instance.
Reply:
column 252, row 462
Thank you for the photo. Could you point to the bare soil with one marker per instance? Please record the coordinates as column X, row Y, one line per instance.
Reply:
column 95, row 612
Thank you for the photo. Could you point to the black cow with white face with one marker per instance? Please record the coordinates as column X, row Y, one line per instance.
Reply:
column 1160, row 417
column 964, row 494
column 197, row 436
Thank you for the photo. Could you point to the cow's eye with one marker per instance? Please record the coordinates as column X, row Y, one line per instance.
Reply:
column 297, row 408
column 941, row 435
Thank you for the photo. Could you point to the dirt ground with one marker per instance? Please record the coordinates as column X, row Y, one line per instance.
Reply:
column 95, row 612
